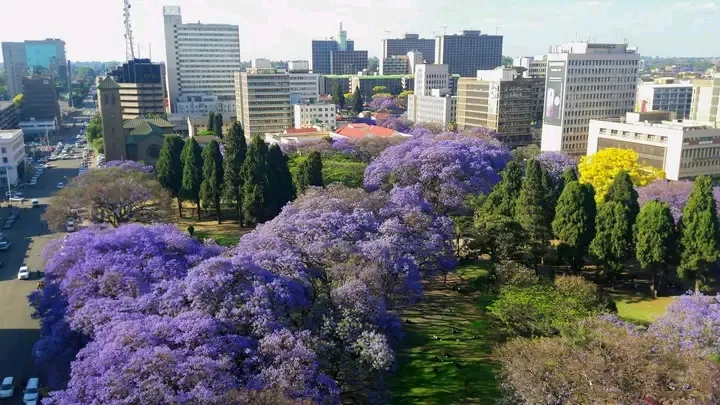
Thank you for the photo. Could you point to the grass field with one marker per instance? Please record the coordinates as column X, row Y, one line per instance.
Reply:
column 639, row 308
column 445, row 357
column 226, row 234
column 336, row 170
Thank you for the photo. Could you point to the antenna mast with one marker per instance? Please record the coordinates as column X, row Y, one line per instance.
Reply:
column 129, row 51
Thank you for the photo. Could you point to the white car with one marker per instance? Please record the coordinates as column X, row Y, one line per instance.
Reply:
column 24, row 273
column 17, row 199
column 31, row 390
column 60, row 185
column 33, row 182
column 7, row 388
column 34, row 203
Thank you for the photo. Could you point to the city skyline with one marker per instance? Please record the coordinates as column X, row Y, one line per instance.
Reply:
column 528, row 28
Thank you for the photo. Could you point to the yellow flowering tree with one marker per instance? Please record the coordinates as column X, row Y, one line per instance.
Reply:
column 600, row 169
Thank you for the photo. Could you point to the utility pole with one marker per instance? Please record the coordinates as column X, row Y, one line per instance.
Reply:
column 444, row 27
column 387, row 34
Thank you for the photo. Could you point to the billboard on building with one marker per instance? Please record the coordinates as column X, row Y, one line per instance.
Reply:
column 554, row 92
column 493, row 98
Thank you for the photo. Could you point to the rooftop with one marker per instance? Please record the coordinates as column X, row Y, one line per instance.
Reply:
column 136, row 122
column 362, row 130
column 9, row 133
column 5, row 104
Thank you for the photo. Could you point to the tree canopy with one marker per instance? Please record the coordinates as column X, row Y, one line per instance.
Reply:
column 600, row 169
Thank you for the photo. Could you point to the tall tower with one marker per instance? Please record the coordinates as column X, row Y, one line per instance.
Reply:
column 129, row 51
column 111, row 117
column 342, row 38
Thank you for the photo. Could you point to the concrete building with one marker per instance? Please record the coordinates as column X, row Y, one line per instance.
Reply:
column 675, row 97
column 40, row 100
column 394, row 83
column 439, row 107
column 12, row 153
column 298, row 66
column 429, row 77
column 322, row 49
column 298, row 136
column 586, row 81
column 706, row 99
column 9, row 115
column 348, row 62
column 303, row 87
column 536, row 65
column 467, row 53
column 264, row 101
column 683, row 149
column 142, row 87
column 326, row 83
column 33, row 127
column 43, row 57
column 415, row 58
column 193, row 124
column 395, row 65
column 138, row 139
column 201, row 61
column 309, row 115
column 409, row 43
column 499, row 99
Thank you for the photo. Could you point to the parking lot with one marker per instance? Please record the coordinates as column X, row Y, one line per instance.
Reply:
column 29, row 235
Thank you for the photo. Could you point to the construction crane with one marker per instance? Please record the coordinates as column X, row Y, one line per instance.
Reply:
column 129, row 47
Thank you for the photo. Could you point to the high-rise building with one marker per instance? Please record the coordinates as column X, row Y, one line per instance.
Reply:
column 9, row 115
column 142, row 87
column 499, row 99
column 706, row 100
column 432, row 100
column 467, row 53
column 409, row 43
column 429, row 77
column 330, row 56
column 536, row 66
column 348, row 62
column 321, row 50
column 42, row 57
column 395, row 65
column 586, row 81
column 40, row 101
column 201, row 61
column 675, row 97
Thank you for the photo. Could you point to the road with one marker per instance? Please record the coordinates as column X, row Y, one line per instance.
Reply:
column 29, row 235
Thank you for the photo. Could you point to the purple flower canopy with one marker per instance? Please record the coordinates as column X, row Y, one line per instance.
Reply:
column 674, row 193
column 130, row 165
column 556, row 162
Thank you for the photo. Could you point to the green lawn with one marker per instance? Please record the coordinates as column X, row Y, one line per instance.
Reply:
column 454, row 369
column 639, row 308
column 338, row 169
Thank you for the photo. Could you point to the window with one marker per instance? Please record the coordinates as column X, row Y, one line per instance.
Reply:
column 4, row 150
column 5, row 160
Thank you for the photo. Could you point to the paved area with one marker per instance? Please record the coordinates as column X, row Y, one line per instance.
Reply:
column 29, row 235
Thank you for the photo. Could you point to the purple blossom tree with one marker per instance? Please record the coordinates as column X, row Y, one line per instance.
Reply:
column 398, row 124
column 130, row 165
column 383, row 103
column 556, row 163
column 674, row 193
column 691, row 322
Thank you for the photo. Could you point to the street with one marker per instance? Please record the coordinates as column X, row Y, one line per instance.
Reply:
column 29, row 235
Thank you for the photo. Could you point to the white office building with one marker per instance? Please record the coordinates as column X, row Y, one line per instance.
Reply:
column 309, row 115
column 201, row 61
column 683, row 149
column 12, row 153
column 675, row 97
column 428, row 77
column 585, row 81
column 439, row 107
column 303, row 87
column 536, row 65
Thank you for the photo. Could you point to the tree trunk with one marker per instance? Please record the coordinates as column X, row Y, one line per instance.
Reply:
column 653, row 285
column 179, row 201
column 697, row 285
column 197, row 203
column 217, row 209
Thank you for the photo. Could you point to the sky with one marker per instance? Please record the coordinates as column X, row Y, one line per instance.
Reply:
column 283, row 29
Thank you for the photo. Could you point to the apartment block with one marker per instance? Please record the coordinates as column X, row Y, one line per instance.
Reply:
column 142, row 87
column 201, row 61
column 409, row 43
column 705, row 100
column 9, row 115
column 536, row 66
column 675, row 97
column 309, row 115
column 586, row 81
column 469, row 52
column 42, row 57
column 499, row 99
column 684, row 149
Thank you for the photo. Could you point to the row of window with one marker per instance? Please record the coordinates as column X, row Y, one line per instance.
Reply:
column 603, row 62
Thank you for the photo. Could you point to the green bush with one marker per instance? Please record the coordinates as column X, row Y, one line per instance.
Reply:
column 514, row 274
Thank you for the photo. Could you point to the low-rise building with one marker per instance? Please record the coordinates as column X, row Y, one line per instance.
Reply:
column 439, row 107
column 9, row 115
column 298, row 136
column 204, row 104
column 394, row 83
column 675, row 97
column 308, row 115
column 361, row 131
column 34, row 127
column 683, row 149
column 12, row 156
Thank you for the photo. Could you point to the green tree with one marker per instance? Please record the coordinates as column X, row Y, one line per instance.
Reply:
column 569, row 175
column 402, row 99
column 217, row 128
column 254, row 176
column 338, row 97
column 373, row 63
column 574, row 223
column 169, row 167
column 655, row 240
column 531, row 212
column 621, row 190
column 357, row 101
column 309, row 172
column 699, row 233
column 502, row 199
column 192, row 163
column 235, row 151
column 212, row 184
column 613, row 240
column 282, row 190
column 379, row 89
column 211, row 121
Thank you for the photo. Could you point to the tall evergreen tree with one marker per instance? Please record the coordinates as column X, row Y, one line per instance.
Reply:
column 282, row 190
column 169, row 167
column 655, row 240
column 235, row 151
column 357, row 101
column 338, row 97
column 531, row 210
column 211, row 121
column 570, row 175
column 622, row 190
column 699, row 233
column 309, row 172
column 192, row 172
column 574, row 223
column 217, row 128
column 254, row 176
column 212, row 183
column 613, row 240
column 501, row 200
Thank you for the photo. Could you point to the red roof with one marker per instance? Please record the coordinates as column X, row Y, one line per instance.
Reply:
column 300, row 130
column 382, row 116
column 361, row 130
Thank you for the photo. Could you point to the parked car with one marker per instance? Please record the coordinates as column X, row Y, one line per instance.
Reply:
column 17, row 199
column 34, row 203
column 60, row 185
column 70, row 225
column 24, row 273
column 5, row 245
column 2, row 236
column 33, row 182
column 31, row 390
column 7, row 388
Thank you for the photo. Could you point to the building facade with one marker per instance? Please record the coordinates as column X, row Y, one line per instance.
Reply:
column 409, row 43
column 326, row 83
column 9, row 115
column 499, row 99
column 439, row 107
column 264, row 101
column 467, row 53
column 536, row 66
column 586, row 81
column 683, row 149
column 43, row 57
column 309, row 115
column 429, row 77
column 395, row 65
column 142, row 87
column 706, row 100
column 665, row 97
column 304, row 87
column 12, row 154
column 40, row 101
column 201, row 59
column 394, row 83
column 348, row 62
column 321, row 50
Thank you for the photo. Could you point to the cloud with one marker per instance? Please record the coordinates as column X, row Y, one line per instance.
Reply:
column 490, row 20
column 710, row 5
column 595, row 3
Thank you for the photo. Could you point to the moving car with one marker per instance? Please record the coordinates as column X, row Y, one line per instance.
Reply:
column 17, row 199
column 5, row 245
column 24, row 273
column 34, row 203
column 70, row 225
column 60, row 185
column 7, row 388
column 31, row 390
